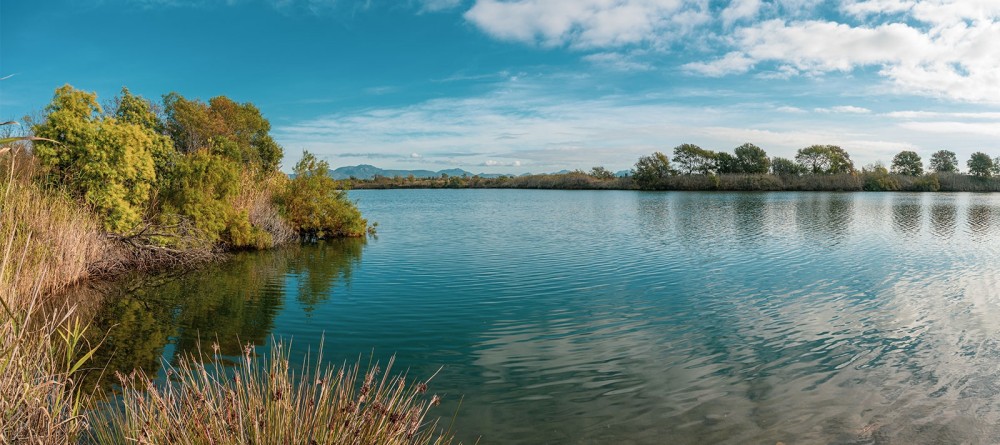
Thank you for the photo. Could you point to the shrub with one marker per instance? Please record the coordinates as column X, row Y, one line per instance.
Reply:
column 317, row 206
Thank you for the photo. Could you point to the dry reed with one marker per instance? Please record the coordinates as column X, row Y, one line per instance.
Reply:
column 264, row 401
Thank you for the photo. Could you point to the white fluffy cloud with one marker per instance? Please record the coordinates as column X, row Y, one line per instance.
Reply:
column 585, row 23
column 943, row 48
column 957, row 60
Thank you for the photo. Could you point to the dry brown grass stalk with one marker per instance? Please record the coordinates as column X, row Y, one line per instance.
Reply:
column 265, row 401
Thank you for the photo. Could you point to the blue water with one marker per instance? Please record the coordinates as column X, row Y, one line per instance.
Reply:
column 629, row 317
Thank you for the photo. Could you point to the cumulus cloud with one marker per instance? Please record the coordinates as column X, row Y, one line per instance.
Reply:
column 585, row 23
column 739, row 10
column 942, row 48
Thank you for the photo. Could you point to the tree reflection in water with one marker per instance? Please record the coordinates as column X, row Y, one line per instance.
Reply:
column 147, row 319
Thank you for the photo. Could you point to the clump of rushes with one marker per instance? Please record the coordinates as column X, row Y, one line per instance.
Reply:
column 41, row 343
column 263, row 401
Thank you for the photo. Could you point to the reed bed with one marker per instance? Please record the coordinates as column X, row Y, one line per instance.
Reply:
column 264, row 401
column 46, row 244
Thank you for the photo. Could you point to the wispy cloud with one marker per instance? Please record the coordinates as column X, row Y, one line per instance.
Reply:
column 544, row 130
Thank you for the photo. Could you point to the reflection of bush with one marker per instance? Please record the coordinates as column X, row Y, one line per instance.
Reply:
column 230, row 304
column 321, row 266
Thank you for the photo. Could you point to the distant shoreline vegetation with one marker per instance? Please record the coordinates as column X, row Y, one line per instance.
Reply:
column 748, row 168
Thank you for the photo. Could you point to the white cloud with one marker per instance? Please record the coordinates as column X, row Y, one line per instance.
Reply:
column 788, row 109
column 740, row 10
column 734, row 62
column 946, row 49
column 584, row 23
column 847, row 109
column 938, row 114
column 440, row 5
column 942, row 48
column 617, row 62
column 414, row 155
column 493, row 163
column 554, row 131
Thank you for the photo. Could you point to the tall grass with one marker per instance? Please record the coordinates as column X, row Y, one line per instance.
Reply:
column 55, row 240
column 263, row 401
column 46, row 244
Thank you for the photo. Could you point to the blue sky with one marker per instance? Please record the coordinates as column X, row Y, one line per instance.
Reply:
column 536, row 85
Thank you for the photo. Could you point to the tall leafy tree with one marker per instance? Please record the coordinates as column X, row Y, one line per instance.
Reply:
column 980, row 165
column 944, row 161
column 726, row 163
column 692, row 159
column 137, row 110
column 751, row 159
column 907, row 163
column 824, row 159
column 650, row 170
column 106, row 163
column 225, row 127
column 786, row 167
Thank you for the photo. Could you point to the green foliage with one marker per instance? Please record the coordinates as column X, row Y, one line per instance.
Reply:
column 824, row 159
column 944, row 161
column 649, row 170
column 600, row 172
column 223, row 126
column 201, row 190
column 878, row 179
column 980, row 165
column 907, row 163
column 692, row 159
column 315, row 204
column 751, row 160
column 107, row 163
column 929, row 183
column 136, row 110
column 786, row 167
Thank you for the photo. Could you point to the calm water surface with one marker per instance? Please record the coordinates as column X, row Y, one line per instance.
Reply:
column 626, row 317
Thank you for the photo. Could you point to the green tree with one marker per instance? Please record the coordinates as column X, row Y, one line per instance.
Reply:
column 225, row 127
column 980, row 165
column 824, row 159
column 726, row 163
column 136, row 110
column 315, row 204
column 600, row 172
column 907, row 163
column 692, row 159
column 650, row 170
column 106, row 163
column 944, row 161
column 201, row 190
column 751, row 159
column 786, row 167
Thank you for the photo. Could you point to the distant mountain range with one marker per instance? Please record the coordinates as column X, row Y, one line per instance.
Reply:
column 365, row 171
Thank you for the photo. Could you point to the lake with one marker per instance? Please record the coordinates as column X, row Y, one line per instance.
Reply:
column 630, row 317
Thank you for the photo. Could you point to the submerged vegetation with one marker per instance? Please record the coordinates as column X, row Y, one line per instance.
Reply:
column 90, row 192
column 748, row 168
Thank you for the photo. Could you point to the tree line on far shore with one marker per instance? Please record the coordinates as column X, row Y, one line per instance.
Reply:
column 748, row 167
